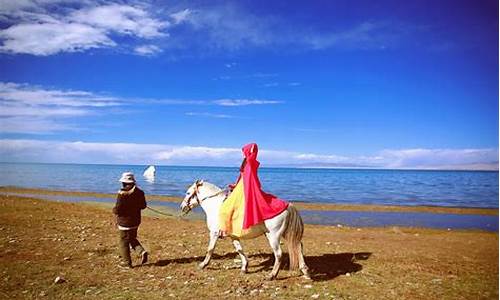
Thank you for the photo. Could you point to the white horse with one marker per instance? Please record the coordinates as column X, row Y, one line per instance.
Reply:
column 287, row 224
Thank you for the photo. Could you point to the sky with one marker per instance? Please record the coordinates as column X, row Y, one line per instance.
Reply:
column 383, row 84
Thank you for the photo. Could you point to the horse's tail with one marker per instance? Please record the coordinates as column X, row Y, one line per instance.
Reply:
column 294, row 231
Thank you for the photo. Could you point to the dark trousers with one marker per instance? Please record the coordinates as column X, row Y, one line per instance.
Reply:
column 128, row 239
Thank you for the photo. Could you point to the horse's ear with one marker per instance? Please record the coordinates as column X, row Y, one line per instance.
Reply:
column 200, row 182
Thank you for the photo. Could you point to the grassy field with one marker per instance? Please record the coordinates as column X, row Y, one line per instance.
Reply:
column 41, row 240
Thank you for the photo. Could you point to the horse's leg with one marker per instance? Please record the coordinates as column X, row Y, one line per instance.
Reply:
column 211, row 246
column 302, row 263
column 275, row 245
column 244, row 259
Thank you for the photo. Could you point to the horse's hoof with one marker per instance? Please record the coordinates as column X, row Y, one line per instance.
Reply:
column 243, row 271
column 201, row 266
column 270, row 277
column 306, row 277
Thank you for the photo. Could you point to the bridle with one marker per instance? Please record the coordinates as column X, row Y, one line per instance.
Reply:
column 194, row 195
column 197, row 184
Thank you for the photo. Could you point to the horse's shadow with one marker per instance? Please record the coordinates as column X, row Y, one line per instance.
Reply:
column 329, row 266
column 322, row 268
column 187, row 260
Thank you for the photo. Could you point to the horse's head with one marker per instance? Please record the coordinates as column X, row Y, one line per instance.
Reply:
column 198, row 192
column 191, row 199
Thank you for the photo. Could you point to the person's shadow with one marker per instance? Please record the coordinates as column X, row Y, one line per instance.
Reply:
column 322, row 268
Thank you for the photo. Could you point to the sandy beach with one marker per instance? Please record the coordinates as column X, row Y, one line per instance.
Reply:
column 41, row 240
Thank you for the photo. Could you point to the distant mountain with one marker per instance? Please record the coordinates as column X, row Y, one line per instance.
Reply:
column 494, row 166
column 326, row 165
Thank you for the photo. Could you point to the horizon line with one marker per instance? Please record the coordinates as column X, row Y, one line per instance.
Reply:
column 270, row 166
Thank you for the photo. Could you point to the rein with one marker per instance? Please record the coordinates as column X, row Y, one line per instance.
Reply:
column 211, row 196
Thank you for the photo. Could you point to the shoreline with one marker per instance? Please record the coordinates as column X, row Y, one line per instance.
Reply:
column 319, row 206
column 329, row 218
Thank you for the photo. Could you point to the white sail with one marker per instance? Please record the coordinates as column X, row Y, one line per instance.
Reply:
column 150, row 172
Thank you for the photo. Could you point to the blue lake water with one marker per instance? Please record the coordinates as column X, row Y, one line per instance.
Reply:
column 342, row 186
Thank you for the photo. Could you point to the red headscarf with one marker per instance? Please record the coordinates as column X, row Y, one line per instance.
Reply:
column 259, row 206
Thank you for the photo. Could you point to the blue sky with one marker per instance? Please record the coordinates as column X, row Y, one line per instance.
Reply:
column 328, row 83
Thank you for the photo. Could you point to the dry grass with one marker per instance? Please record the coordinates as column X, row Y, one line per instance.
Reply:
column 40, row 240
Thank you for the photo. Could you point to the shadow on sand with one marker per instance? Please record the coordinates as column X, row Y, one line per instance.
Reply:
column 323, row 267
column 187, row 260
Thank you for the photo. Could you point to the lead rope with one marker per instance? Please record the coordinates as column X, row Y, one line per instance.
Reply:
column 198, row 200
column 162, row 213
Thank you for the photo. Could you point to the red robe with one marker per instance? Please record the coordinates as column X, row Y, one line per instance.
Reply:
column 259, row 206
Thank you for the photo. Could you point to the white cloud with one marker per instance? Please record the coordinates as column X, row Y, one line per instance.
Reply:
column 227, row 27
column 181, row 16
column 230, row 27
column 262, row 75
column 7, row 110
column 51, row 38
column 197, row 153
column 36, row 95
column 37, row 30
column 55, row 26
column 55, row 151
column 12, row 6
column 33, row 125
column 172, row 101
column 244, row 102
column 223, row 77
column 83, row 152
column 147, row 50
column 362, row 35
column 32, row 109
column 270, row 84
column 208, row 115
column 124, row 19
column 439, row 158
column 24, row 106
column 218, row 102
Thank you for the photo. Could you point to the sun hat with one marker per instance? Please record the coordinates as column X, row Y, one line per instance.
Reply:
column 127, row 177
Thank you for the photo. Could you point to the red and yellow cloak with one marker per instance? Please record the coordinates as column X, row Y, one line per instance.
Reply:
column 248, row 205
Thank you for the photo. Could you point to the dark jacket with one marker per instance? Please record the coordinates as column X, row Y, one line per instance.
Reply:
column 128, row 207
